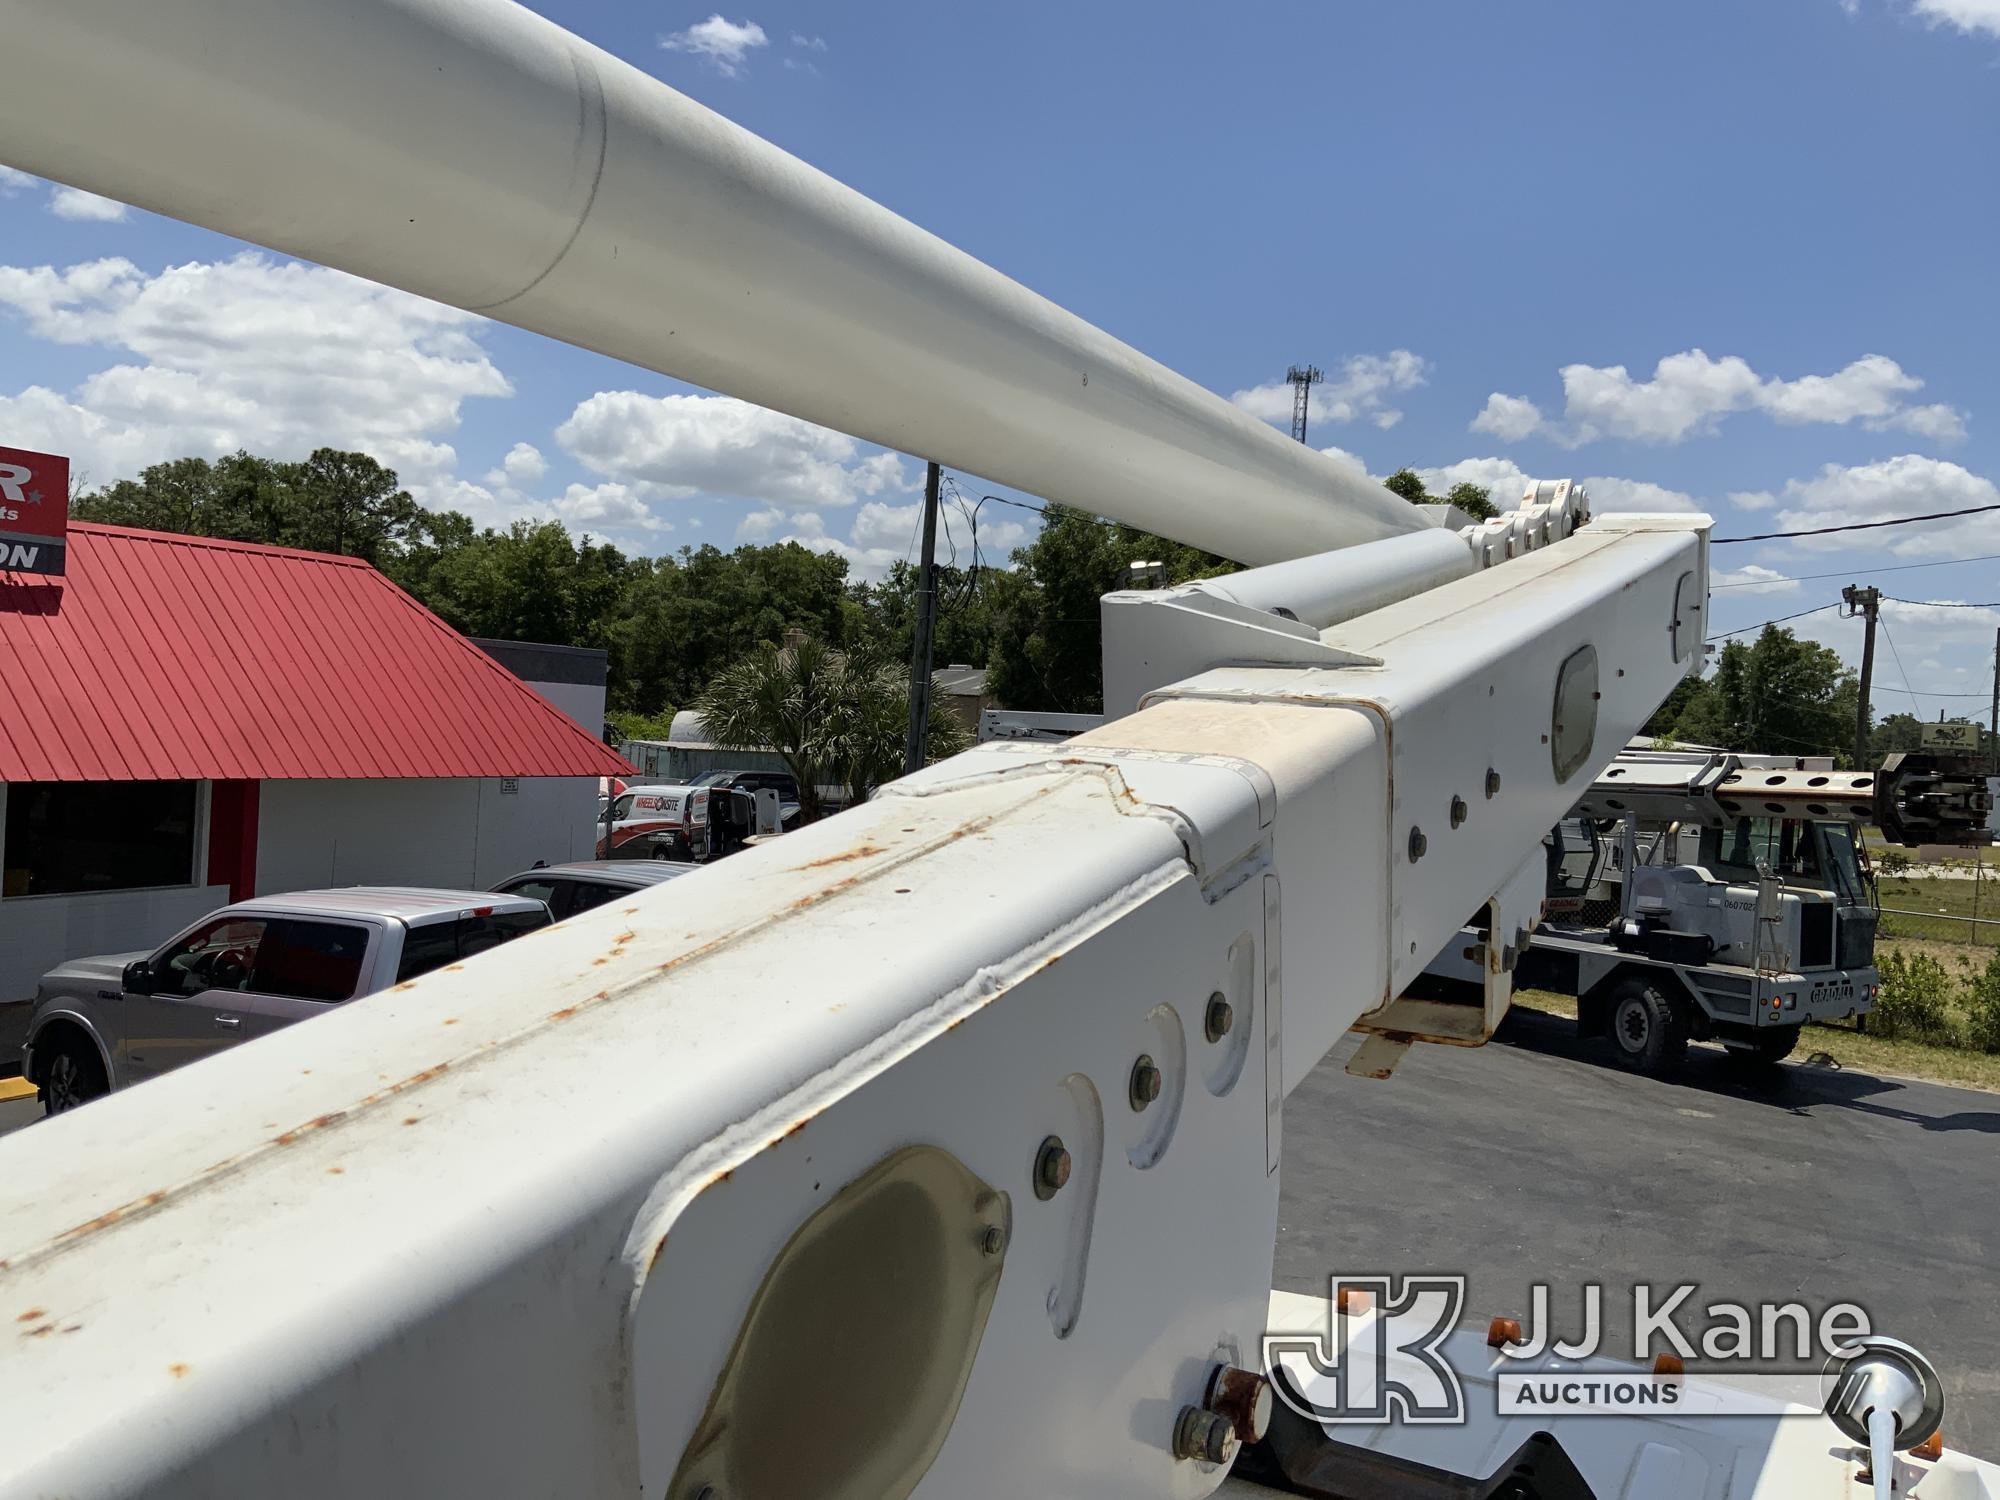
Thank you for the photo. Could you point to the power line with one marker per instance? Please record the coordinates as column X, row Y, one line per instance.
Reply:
column 1939, row 603
column 1927, row 693
column 1753, row 583
column 1901, row 687
column 1778, row 536
column 1901, row 669
column 1745, row 629
column 1038, row 510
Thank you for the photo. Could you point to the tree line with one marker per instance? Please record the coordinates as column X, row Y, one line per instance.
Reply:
column 673, row 624
column 1781, row 695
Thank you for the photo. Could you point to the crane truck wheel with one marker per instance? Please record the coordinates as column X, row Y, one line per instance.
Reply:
column 1774, row 1044
column 1648, row 1032
column 1771, row 1045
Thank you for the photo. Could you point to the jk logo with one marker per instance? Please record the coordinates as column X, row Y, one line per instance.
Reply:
column 1379, row 1359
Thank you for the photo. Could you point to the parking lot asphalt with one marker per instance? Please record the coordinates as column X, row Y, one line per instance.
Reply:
column 1534, row 1159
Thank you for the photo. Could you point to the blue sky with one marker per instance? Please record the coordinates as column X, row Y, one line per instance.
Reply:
column 1733, row 255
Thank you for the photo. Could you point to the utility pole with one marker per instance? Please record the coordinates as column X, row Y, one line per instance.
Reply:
column 1301, row 378
column 1993, row 728
column 1866, row 603
column 920, row 644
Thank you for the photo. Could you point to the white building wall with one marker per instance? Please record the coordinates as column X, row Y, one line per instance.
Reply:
column 463, row 834
column 39, row 932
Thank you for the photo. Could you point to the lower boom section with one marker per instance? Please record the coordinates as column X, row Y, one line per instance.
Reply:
column 930, row 1150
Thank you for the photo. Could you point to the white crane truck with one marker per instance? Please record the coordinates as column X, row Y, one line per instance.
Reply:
column 929, row 1151
column 1705, row 895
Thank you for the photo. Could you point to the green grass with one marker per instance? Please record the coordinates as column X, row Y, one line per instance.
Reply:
column 1934, row 904
column 1957, row 898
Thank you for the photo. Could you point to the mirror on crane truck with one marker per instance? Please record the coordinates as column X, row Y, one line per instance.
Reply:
column 1698, row 895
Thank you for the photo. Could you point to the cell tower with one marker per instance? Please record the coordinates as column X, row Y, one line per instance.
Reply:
column 1301, row 378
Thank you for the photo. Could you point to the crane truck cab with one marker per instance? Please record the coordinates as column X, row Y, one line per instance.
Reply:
column 1698, row 895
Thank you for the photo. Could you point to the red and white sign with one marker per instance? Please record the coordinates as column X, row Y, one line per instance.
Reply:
column 34, row 511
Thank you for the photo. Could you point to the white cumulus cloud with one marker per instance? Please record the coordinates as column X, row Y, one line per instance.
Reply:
column 1752, row 580
column 867, row 563
column 1688, row 395
column 276, row 357
column 1608, row 494
column 1908, row 485
column 13, row 181
column 1938, row 422
column 760, row 525
column 1753, row 499
column 1358, row 391
column 522, row 466
column 1346, row 460
column 1509, row 482
column 722, row 44
column 881, row 535
column 609, row 507
column 75, row 203
column 1509, row 418
column 1978, row 17
column 681, row 446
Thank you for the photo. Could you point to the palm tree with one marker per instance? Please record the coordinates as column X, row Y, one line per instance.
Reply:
column 868, row 730
column 837, row 718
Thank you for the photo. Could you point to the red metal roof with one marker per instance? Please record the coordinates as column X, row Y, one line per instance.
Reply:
column 163, row 657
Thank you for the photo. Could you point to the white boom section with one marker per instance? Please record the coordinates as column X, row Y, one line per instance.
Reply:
column 498, row 1231
column 474, row 152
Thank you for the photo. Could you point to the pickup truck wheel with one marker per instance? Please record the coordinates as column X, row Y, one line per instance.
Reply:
column 74, row 1075
column 1648, row 1033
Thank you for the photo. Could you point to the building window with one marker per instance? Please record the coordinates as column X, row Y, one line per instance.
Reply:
column 81, row 836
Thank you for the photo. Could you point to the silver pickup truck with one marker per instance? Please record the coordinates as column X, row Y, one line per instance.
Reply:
column 112, row 1021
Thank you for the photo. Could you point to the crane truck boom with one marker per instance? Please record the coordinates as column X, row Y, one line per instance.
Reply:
column 931, row 1150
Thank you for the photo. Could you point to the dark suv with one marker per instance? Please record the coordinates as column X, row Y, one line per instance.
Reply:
column 782, row 782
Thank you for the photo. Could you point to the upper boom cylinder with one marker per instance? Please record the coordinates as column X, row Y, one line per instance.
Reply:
column 476, row 153
column 1322, row 591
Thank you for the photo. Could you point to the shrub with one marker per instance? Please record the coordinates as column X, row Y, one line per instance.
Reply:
column 1895, row 863
column 1982, row 1000
column 1915, row 1001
